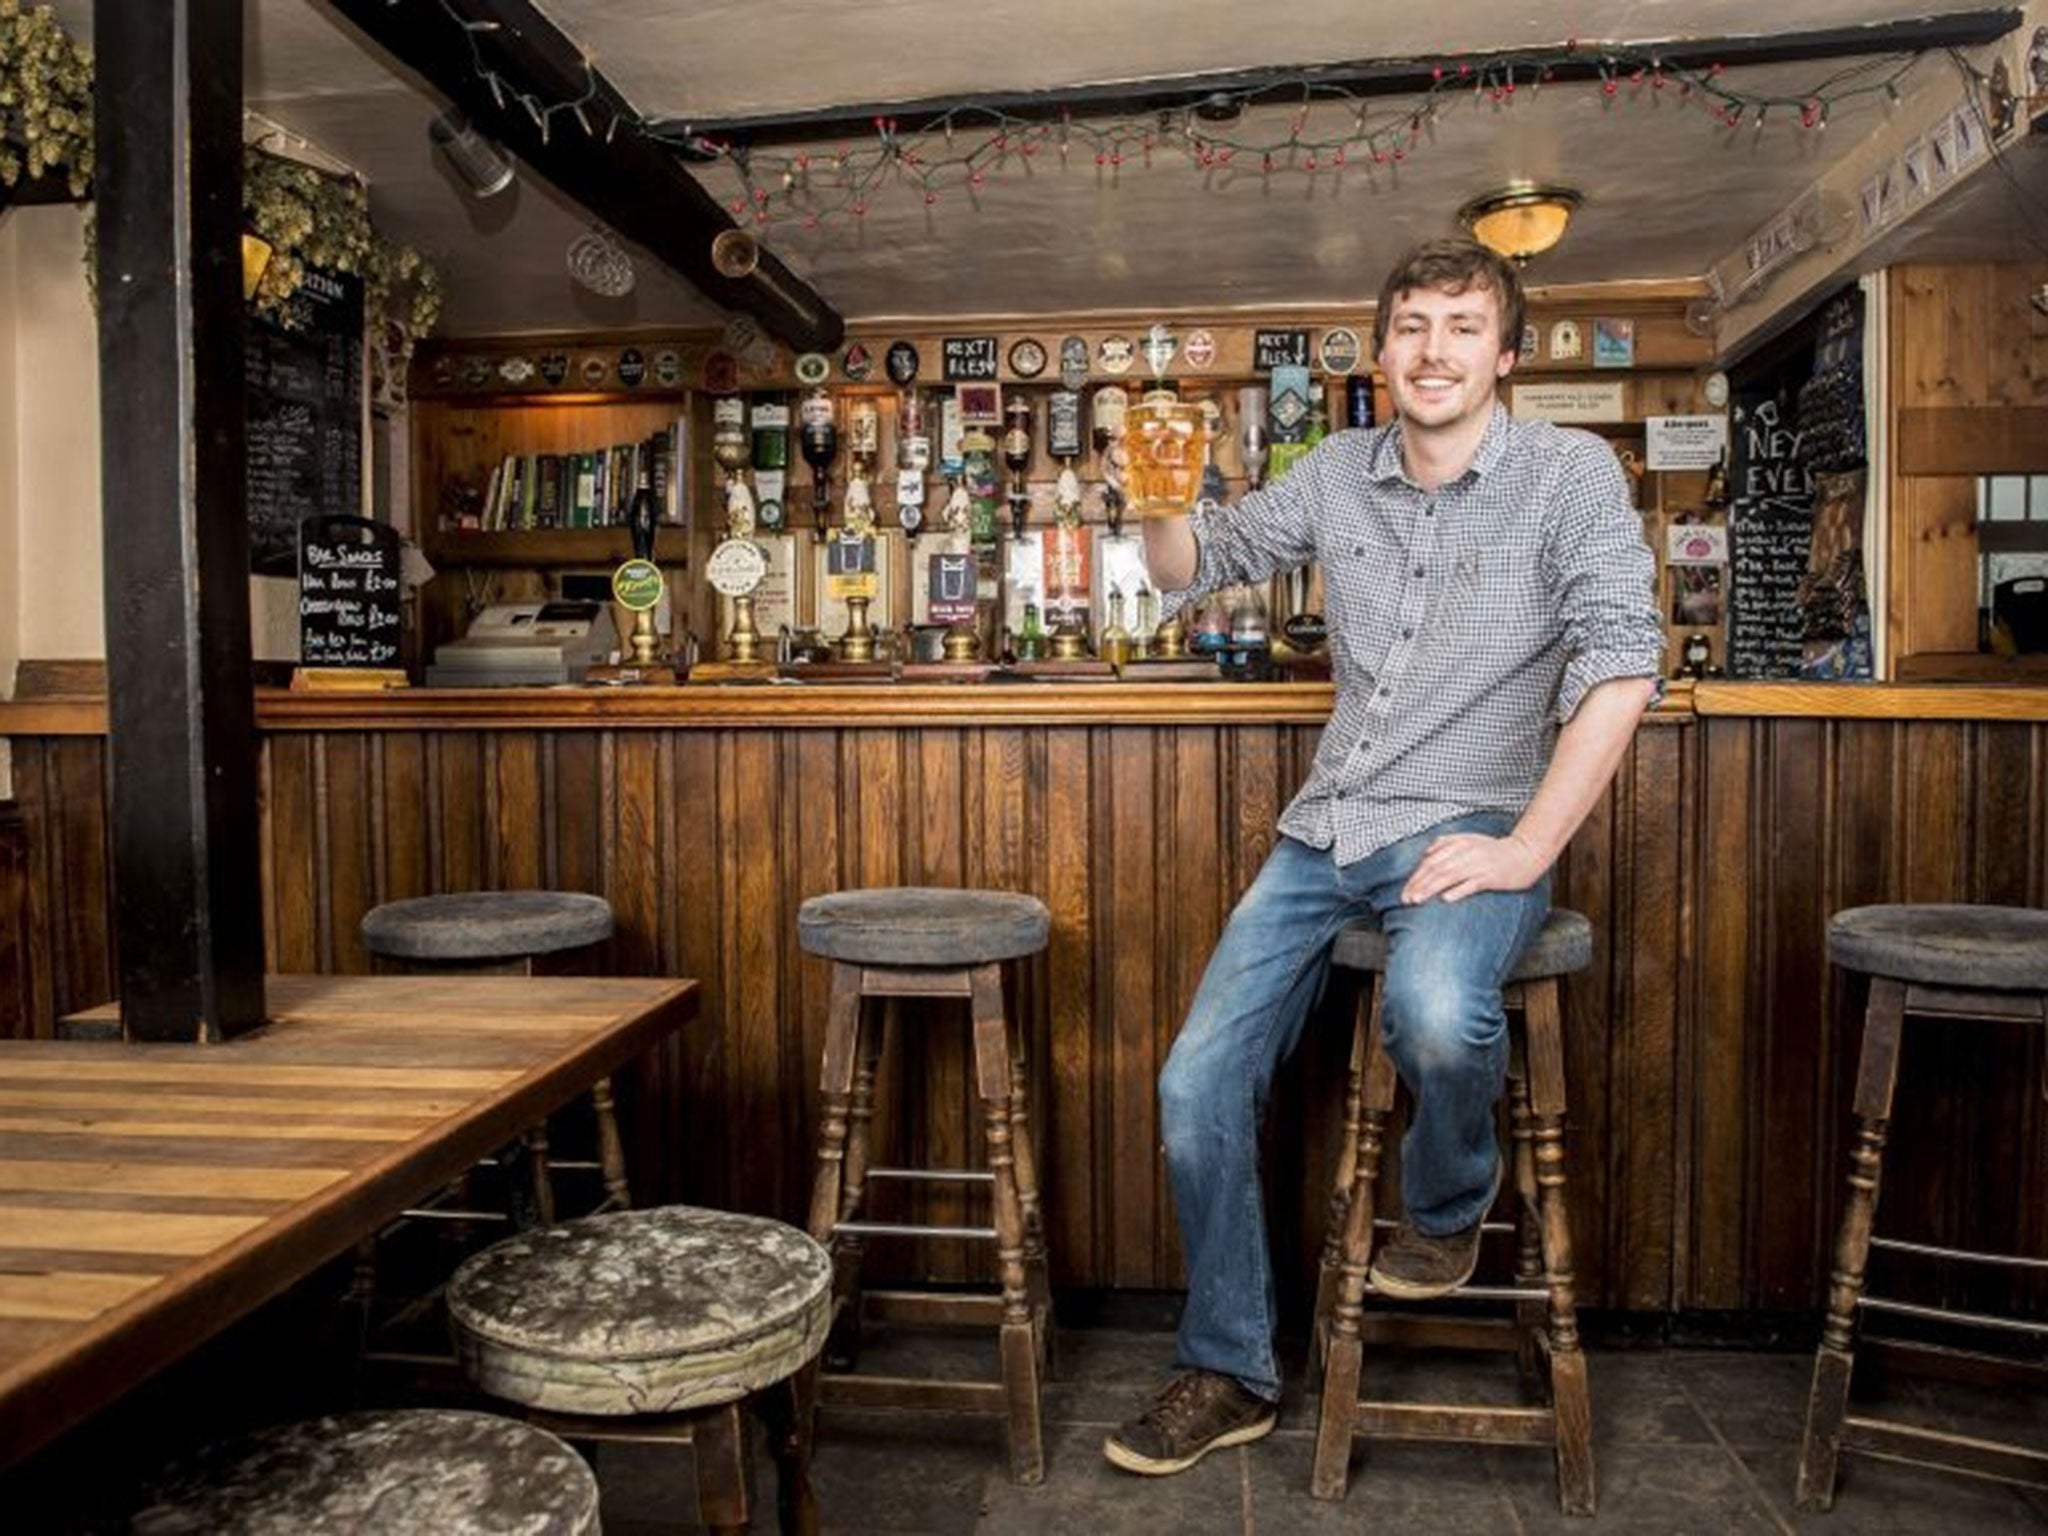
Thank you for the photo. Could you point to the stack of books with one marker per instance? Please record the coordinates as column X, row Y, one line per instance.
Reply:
column 589, row 490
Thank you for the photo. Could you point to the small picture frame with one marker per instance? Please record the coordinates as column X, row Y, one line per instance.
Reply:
column 1614, row 343
column 981, row 405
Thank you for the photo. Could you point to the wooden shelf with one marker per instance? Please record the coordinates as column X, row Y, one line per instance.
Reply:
column 446, row 548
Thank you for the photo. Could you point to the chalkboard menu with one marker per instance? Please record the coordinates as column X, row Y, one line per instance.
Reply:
column 1796, row 599
column 305, row 401
column 349, row 606
column 1770, row 527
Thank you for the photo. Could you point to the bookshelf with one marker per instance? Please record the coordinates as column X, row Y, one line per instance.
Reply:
column 460, row 444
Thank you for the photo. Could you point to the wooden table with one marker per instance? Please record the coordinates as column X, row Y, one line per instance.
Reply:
column 150, row 1195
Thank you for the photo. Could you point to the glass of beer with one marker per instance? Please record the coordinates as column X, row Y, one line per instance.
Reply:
column 1163, row 446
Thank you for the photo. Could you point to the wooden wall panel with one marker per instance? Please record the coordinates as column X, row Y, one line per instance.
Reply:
column 1710, row 1042
column 17, row 992
column 1799, row 819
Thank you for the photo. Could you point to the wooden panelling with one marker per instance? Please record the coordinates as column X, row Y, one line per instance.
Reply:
column 1968, row 369
column 1799, row 819
column 17, row 996
column 1973, row 440
column 1709, row 1045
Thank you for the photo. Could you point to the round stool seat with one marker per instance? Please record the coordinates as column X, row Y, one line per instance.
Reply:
column 1951, row 945
column 1564, row 945
column 395, row 1474
column 923, row 925
column 486, row 925
column 653, row 1311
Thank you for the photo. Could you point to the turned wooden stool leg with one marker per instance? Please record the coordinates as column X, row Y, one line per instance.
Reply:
column 1343, row 1356
column 719, row 1439
column 787, row 1411
column 1569, row 1393
column 835, row 1088
column 1877, row 1071
column 535, row 1140
column 1340, row 1185
column 611, row 1151
column 1019, row 1341
column 1037, row 1269
column 1530, row 1337
column 842, row 1348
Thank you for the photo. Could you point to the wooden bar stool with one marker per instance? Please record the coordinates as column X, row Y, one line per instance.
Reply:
column 509, row 933
column 672, row 1325
column 1545, row 1332
column 1942, row 963
column 414, row 1470
column 921, row 943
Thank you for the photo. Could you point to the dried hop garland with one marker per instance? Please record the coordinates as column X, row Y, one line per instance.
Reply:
column 310, row 218
column 45, row 98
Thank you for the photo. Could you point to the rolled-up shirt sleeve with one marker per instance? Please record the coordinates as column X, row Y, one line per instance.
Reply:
column 1261, row 534
column 1602, row 575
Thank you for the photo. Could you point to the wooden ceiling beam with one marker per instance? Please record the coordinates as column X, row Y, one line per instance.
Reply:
column 599, row 156
column 1224, row 91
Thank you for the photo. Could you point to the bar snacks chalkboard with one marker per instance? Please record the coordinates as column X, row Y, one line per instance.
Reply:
column 349, row 608
column 304, row 388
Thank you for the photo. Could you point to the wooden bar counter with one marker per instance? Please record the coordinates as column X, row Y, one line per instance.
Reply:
column 1709, row 1043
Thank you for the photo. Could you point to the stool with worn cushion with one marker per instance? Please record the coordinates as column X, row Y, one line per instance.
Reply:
column 911, row 942
column 392, row 1474
column 1940, row 964
column 670, row 1324
column 509, row 933
column 1544, row 1333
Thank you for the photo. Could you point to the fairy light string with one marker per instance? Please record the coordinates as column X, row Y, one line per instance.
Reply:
column 1331, row 129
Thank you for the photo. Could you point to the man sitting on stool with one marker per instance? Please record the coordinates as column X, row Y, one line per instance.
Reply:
column 1495, row 642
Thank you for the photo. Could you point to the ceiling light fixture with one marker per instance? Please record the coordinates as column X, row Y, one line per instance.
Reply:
column 482, row 167
column 1521, row 220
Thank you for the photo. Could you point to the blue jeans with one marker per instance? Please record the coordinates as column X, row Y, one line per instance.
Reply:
column 1442, row 1024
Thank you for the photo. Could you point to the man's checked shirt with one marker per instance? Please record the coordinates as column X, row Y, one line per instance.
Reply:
column 1466, row 624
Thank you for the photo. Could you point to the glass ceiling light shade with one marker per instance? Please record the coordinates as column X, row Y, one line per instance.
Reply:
column 599, row 263
column 1521, row 220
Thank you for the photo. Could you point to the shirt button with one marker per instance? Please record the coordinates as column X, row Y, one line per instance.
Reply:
column 1384, row 691
column 1430, row 510
column 1407, row 634
column 1358, row 549
column 1420, row 572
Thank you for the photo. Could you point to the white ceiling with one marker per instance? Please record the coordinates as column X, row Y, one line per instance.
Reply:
column 1668, row 191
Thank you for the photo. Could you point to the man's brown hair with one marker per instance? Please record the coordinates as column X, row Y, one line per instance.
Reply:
column 1453, row 266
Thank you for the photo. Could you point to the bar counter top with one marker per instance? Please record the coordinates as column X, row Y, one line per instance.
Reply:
column 841, row 705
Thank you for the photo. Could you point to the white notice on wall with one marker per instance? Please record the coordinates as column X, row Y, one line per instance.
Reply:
column 1685, row 442
column 1568, row 402
column 1696, row 544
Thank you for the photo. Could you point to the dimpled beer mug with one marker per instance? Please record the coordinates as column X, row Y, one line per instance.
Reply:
column 1163, row 442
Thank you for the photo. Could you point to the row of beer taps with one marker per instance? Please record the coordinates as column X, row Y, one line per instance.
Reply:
column 968, row 457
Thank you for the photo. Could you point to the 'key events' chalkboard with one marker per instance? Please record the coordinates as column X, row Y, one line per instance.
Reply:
column 349, row 607
column 305, row 402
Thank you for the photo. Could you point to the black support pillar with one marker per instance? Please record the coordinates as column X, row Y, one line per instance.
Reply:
column 168, row 106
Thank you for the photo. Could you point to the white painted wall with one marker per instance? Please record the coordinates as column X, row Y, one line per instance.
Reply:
column 50, row 439
column 49, row 445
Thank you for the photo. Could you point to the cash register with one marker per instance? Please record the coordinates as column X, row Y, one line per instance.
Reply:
column 525, row 645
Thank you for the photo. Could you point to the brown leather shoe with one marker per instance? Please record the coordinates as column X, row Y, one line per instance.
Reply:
column 1413, row 1266
column 1195, row 1413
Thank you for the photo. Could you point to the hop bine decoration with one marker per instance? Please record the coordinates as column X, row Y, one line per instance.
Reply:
column 45, row 99
column 310, row 218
